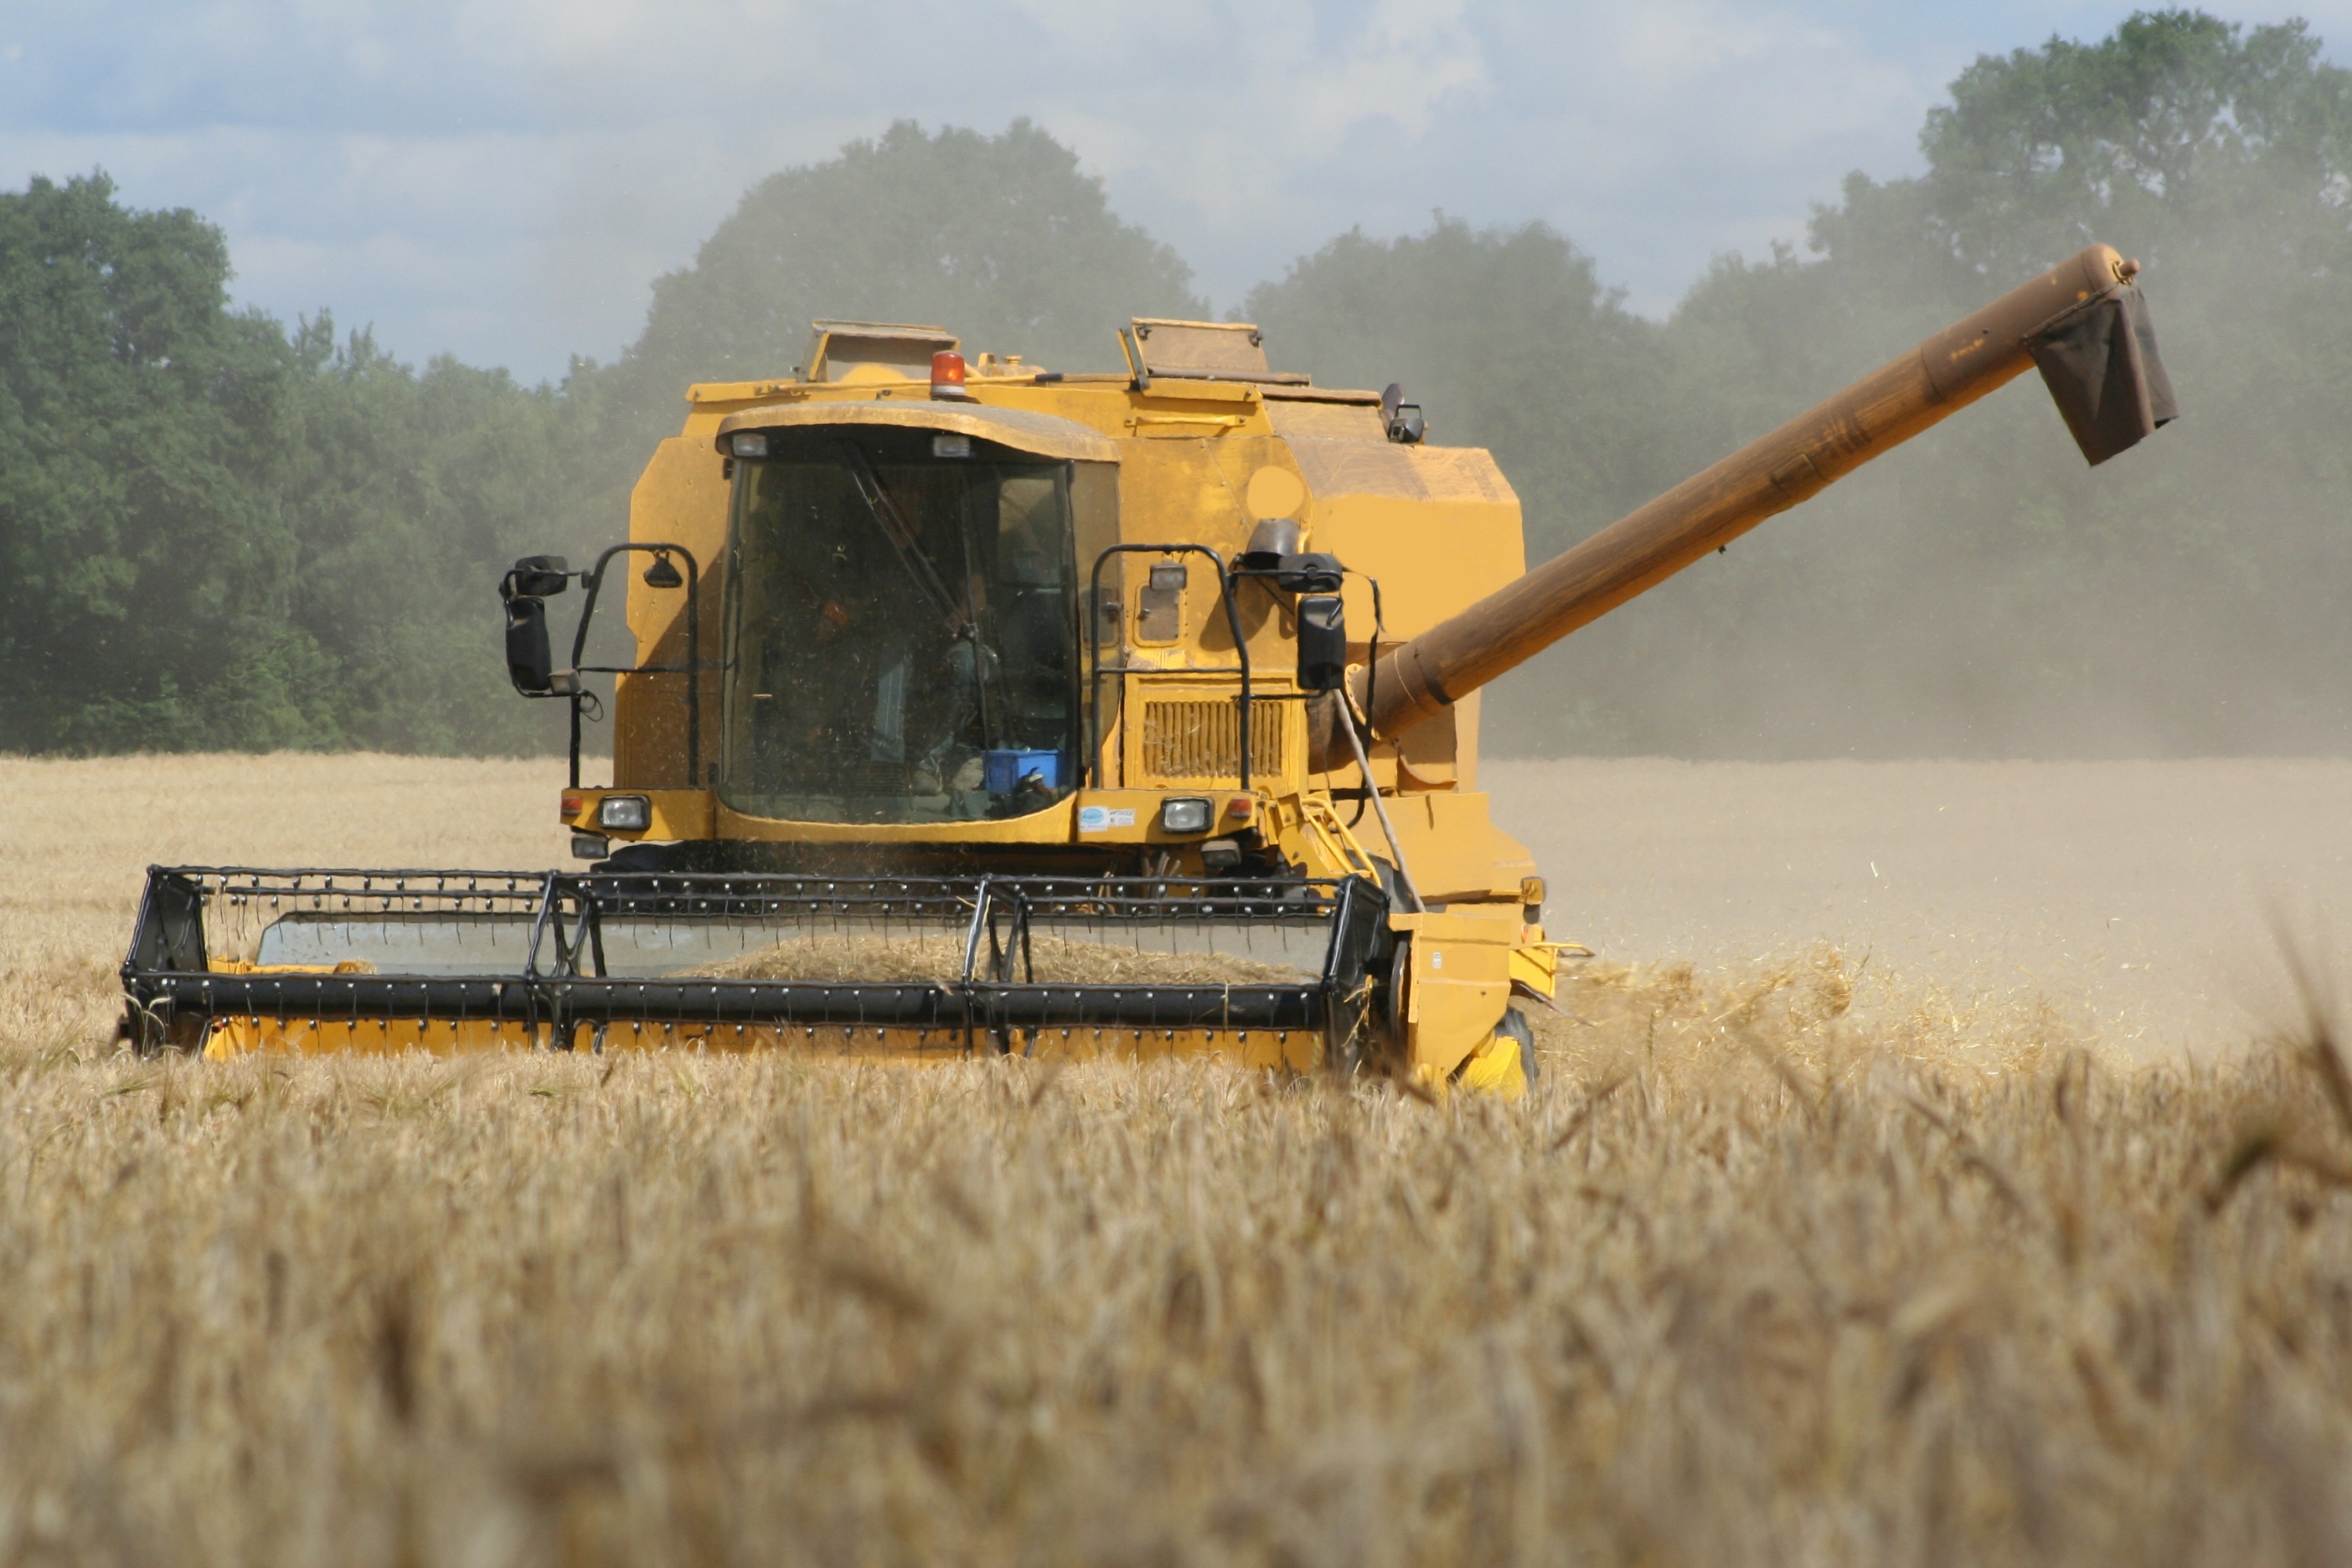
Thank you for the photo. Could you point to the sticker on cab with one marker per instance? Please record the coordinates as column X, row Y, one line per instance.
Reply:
column 1102, row 818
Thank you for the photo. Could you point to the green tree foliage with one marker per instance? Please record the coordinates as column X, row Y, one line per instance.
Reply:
column 2180, row 134
column 219, row 533
column 413, row 492
column 1507, row 337
column 999, row 238
column 145, row 561
column 215, row 535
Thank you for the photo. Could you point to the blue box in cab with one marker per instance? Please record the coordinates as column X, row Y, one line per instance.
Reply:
column 1006, row 769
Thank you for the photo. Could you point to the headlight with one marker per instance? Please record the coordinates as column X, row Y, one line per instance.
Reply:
column 624, row 812
column 750, row 443
column 1186, row 815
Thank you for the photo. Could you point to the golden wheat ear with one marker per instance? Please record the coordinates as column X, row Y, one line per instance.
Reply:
column 2314, row 1040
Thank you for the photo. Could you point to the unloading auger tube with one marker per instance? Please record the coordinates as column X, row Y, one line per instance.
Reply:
column 2082, row 322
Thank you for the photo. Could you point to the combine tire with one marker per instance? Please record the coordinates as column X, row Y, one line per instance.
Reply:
column 1514, row 1024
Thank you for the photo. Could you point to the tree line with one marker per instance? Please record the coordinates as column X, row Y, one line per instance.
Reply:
column 220, row 531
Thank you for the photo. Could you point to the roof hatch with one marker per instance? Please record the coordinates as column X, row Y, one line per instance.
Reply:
column 1201, row 351
column 858, row 351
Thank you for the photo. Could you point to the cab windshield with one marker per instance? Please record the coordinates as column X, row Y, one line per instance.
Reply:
column 902, row 633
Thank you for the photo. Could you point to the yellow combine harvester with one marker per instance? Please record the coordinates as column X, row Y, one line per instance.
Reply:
column 988, row 708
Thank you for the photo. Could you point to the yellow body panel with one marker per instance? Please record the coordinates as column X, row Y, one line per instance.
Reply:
column 676, row 813
column 232, row 1037
column 1535, row 963
column 1459, row 985
column 1288, row 1051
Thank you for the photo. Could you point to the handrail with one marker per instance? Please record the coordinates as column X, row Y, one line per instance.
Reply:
column 692, row 669
column 1096, row 669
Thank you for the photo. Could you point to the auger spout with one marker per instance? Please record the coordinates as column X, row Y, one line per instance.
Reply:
column 2082, row 322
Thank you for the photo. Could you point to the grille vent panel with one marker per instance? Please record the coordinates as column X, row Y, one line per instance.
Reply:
column 1201, row 741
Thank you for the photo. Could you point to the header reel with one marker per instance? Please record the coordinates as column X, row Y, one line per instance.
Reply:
column 229, row 959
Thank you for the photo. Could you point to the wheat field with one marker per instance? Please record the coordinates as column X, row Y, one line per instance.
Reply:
column 1795, row 1261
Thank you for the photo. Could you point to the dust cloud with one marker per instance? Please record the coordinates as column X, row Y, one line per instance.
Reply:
column 1980, row 593
column 2144, row 903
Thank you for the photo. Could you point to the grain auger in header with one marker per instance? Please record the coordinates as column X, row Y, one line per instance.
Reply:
column 976, row 707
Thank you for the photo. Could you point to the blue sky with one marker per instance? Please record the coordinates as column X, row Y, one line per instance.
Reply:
column 505, row 181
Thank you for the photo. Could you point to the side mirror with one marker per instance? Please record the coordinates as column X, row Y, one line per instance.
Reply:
column 1322, row 642
column 1274, row 555
column 529, row 663
column 1403, row 420
column 1269, row 542
column 1311, row 574
column 538, row 577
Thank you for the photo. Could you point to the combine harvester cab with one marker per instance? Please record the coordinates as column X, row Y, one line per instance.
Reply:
column 984, row 707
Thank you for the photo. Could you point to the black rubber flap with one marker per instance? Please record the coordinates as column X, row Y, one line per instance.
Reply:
column 2101, row 365
column 171, row 930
